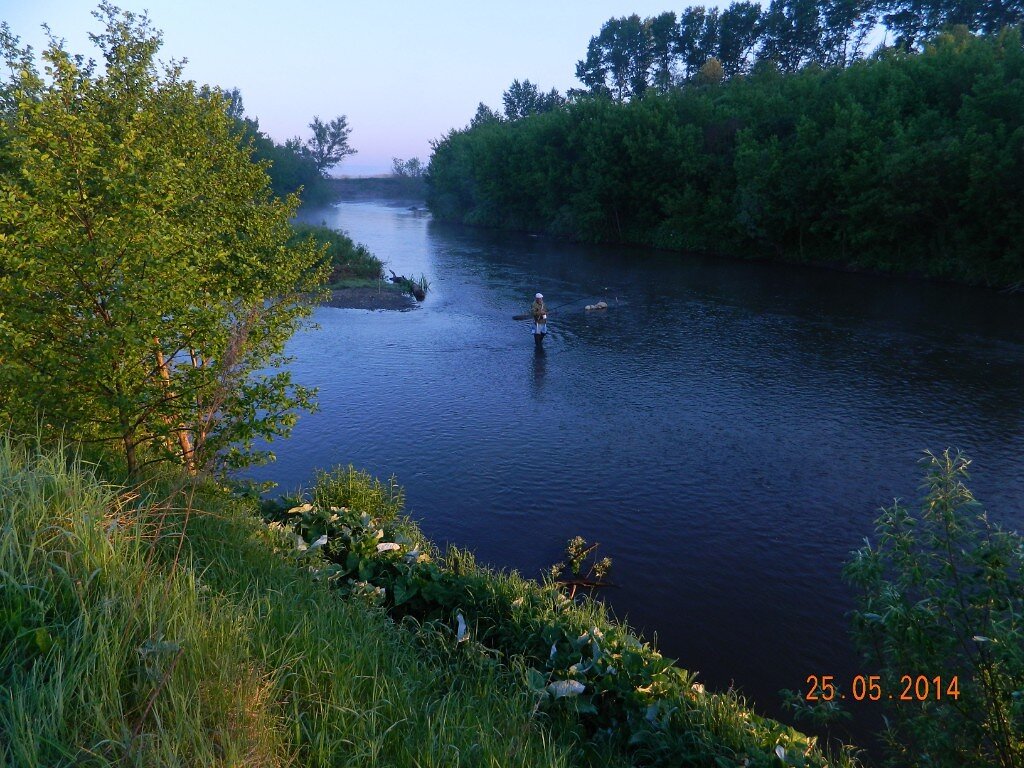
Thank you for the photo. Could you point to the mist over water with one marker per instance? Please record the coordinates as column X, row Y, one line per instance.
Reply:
column 727, row 430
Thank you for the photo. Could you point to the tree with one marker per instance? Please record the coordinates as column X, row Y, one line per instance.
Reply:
column 520, row 100
column 622, row 52
column 711, row 73
column 523, row 99
column 914, row 22
column 146, row 285
column 698, row 38
column 484, row 116
column 329, row 144
column 844, row 26
column 791, row 33
column 412, row 168
column 664, row 36
column 738, row 35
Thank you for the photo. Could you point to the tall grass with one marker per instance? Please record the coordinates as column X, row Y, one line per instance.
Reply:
column 127, row 639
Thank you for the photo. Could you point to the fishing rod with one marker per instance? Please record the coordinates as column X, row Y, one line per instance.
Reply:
column 529, row 314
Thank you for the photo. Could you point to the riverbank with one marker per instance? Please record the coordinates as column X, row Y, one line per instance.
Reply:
column 377, row 188
column 248, row 643
column 383, row 295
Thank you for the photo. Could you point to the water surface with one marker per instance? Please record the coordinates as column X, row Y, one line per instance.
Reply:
column 727, row 430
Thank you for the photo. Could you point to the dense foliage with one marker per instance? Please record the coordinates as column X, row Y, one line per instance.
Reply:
column 942, row 595
column 580, row 663
column 910, row 162
column 146, row 286
column 345, row 259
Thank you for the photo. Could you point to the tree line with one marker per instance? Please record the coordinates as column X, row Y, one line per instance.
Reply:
column 631, row 55
column 906, row 160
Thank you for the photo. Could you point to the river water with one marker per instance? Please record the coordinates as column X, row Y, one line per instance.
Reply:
column 727, row 430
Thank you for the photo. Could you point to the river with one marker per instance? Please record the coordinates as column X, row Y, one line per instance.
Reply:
column 727, row 430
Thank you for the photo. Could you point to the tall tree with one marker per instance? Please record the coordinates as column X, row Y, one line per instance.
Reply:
column 413, row 168
column 791, row 33
column 621, row 53
column 913, row 22
column 484, row 115
column 845, row 24
column 145, row 282
column 663, row 32
column 328, row 145
column 738, row 36
column 698, row 38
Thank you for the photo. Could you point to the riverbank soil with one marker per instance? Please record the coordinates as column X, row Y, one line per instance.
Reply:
column 362, row 297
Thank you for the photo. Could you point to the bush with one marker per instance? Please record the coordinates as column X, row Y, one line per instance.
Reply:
column 347, row 259
column 942, row 595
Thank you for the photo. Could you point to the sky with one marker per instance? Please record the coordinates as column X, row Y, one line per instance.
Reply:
column 403, row 72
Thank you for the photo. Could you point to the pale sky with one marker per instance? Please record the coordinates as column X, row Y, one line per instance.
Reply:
column 403, row 72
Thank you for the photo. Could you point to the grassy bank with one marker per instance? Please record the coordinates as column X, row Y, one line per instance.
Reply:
column 352, row 264
column 189, row 632
column 124, row 642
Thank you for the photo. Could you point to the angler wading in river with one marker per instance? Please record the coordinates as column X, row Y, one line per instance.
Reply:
column 540, row 319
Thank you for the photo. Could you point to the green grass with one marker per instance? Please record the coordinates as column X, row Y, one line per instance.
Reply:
column 135, row 631
column 123, row 643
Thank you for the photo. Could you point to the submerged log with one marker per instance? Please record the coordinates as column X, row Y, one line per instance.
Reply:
column 409, row 284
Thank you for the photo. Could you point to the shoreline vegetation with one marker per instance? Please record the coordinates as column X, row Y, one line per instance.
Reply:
column 167, row 623
column 355, row 276
column 904, row 162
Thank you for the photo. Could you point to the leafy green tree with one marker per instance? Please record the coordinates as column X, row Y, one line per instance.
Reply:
column 592, row 71
column 845, row 24
column 664, row 41
column 145, row 282
column 902, row 162
column 698, row 38
column 523, row 99
column 738, row 36
column 484, row 115
column 791, row 33
column 942, row 603
column 914, row 22
column 290, row 167
column 328, row 145
column 621, row 52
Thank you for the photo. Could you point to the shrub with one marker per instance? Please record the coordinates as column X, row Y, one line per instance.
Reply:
column 942, row 595
column 347, row 259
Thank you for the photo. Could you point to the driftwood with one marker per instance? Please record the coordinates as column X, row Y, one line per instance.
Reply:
column 409, row 284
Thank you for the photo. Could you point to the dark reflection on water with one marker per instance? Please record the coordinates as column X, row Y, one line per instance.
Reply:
column 727, row 430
